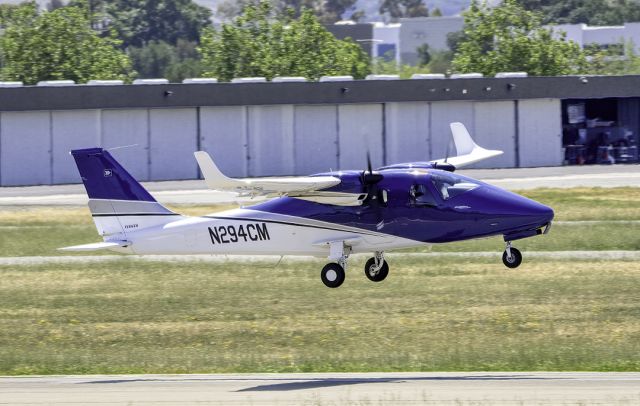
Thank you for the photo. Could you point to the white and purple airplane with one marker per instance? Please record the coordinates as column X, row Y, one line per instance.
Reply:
column 328, row 215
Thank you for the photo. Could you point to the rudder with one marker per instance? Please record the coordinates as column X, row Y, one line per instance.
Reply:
column 118, row 203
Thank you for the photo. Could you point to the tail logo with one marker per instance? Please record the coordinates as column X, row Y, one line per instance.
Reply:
column 107, row 173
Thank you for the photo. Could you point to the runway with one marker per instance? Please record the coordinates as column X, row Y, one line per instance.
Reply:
column 477, row 388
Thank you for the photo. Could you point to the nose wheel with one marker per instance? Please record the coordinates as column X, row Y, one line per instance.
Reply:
column 512, row 257
column 376, row 269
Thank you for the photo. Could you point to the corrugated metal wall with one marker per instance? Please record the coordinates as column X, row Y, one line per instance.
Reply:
column 273, row 140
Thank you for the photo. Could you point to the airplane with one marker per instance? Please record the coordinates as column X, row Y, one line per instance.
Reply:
column 331, row 215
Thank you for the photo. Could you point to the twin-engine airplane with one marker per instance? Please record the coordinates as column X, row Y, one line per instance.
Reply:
column 329, row 215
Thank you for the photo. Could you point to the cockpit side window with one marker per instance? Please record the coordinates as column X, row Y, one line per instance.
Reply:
column 450, row 185
column 421, row 196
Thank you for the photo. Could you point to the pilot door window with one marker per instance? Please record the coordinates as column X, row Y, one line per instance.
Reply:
column 421, row 196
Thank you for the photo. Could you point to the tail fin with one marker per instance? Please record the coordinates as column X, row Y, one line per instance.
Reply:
column 118, row 203
column 468, row 151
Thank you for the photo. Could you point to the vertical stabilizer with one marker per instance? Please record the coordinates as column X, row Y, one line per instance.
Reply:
column 119, row 204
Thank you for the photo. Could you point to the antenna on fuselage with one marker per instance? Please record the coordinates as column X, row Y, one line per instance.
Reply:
column 447, row 154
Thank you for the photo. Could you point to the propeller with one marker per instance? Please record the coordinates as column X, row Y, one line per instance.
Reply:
column 370, row 180
column 369, row 177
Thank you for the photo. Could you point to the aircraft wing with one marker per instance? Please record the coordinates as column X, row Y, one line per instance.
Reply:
column 468, row 151
column 216, row 180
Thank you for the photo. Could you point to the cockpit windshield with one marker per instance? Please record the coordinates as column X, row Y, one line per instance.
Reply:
column 451, row 185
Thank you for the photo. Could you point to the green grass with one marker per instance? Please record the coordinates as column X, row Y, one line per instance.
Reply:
column 440, row 313
column 590, row 203
column 447, row 314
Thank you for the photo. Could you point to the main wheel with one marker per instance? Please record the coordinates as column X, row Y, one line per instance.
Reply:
column 514, row 261
column 332, row 275
column 373, row 274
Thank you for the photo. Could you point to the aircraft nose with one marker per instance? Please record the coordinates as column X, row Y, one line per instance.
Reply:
column 543, row 214
column 515, row 210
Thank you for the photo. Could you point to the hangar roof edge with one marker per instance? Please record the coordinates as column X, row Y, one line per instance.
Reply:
column 301, row 93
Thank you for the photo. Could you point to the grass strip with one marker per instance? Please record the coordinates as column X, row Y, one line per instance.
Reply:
column 448, row 314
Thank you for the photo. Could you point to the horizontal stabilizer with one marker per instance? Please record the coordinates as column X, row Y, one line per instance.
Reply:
column 96, row 246
column 216, row 180
column 468, row 151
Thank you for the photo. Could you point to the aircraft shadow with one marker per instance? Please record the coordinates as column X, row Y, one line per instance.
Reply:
column 292, row 384
column 332, row 382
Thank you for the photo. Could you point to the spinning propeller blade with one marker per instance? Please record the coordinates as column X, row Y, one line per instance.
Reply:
column 369, row 177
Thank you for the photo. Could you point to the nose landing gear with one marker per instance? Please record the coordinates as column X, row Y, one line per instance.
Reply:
column 376, row 268
column 512, row 257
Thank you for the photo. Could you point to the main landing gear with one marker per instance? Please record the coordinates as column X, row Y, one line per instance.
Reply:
column 376, row 269
column 512, row 257
column 332, row 275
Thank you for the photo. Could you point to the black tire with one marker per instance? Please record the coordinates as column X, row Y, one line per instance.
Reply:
column 332, row 275
column 514, row 261
column 376, row 276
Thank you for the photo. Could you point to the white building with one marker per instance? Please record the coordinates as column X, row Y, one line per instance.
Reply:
column 602, row 36
column 386, row 41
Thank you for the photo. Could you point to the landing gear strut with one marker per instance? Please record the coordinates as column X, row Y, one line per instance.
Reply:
column 333, row 274
column 376, row 268
column 511, row 258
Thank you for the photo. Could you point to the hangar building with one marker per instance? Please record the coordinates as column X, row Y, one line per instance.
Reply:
column 292, row 128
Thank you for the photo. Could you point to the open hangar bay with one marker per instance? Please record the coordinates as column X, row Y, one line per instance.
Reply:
column 292, row 128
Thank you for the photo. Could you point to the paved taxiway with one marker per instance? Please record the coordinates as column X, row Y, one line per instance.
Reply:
column 478, row 388
column 196, row 192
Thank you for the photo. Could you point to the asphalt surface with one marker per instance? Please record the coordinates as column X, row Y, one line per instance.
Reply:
column 477, row 388
column 195, row 191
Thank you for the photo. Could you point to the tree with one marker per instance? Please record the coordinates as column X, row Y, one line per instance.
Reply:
column 327, row 11
column 509, row 38
column 9, row 12
column 424, row 56
column 262, row 43
column 618, row 59
column 59, row 45
column 139, row 21
column 334, row 9
column 593, row 12
column 396, row 9
column 158, row 59
column 54, row 4
column 441, row 62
